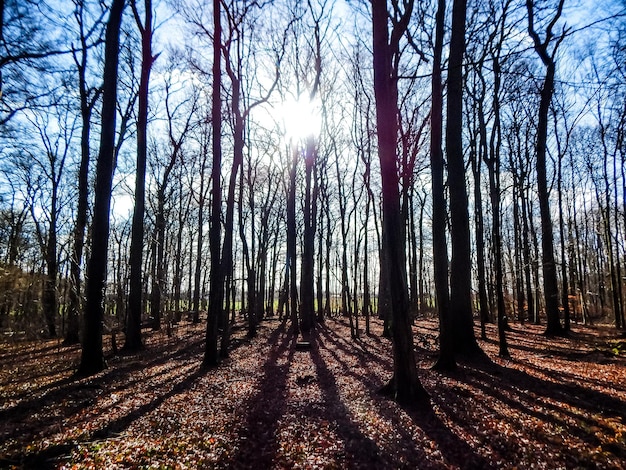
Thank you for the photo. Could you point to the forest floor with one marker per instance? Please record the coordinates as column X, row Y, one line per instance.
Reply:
column 558, row 403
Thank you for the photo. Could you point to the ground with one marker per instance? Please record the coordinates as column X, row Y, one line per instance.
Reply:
column 557, row 403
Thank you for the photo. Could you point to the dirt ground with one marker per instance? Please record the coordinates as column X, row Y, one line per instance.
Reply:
column 557, row 403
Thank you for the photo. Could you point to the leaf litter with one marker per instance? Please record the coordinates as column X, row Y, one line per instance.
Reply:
column 558, row 403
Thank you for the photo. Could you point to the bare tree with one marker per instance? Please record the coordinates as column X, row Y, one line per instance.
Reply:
column 446, row 359
column 89, row 96
column 460, row 262
column 92, row 357
column 405, row 385
column 133, row 327
column 50, row 160
column 216, row 293
column 546, row 48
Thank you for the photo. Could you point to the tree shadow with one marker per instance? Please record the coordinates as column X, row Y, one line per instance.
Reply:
column 258, row 441
column 360, row 451
column 409, row 451
column 164, row 365
column 49, row 457
column 574, row 396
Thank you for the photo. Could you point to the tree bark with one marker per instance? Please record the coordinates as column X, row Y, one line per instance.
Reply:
column 446, row 359
column 92, row 357
column 133, row 327
column 216, row 294
column 460, row 263
column 550, row 285
column 405, row 385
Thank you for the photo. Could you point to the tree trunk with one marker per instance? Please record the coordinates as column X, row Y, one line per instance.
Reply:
column 92, row 357
column 460, row 263
column 308, row 254
column 50, row 298
column 405, row 385
column 446, row 359
column 291, row 244
column 550, row 285
column 86, row 109
column 476, row 156
column 216, row 294
column 133, row 327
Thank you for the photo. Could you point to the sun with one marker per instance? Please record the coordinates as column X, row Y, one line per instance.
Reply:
column 300, row 118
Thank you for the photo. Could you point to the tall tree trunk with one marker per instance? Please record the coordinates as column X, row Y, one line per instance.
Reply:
column 308, row 254
column 227, row 250
column 493, row 166
column 291, row 243
column 92, row 357
column 197, row 270
column 559, row 188
column 446, row 359
column 248, row 268
column 133, row 327
column 87, row 103
column 526, row 254
column 50, row 298
column 405, row 385
column 550, row 285
column 320, row 257
column 460, row 263
column 216, row 294
column 476, row 156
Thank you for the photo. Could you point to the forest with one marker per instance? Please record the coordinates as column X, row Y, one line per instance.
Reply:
column 312, row 234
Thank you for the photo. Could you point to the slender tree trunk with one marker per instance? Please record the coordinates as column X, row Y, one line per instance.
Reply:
column 476, row 157
column 493, row 166
column 550, row 284
column 405, row 385
column 92, row 357
column 133, row 327
column 519, row 265
column 320, row 258
column 308, row 255
column 216, row 294
column 564, row 280
column 227, row 250
column 291, row 243
column 526, row 254
column 50, row 298
column 446, row 359
column 197, row 270
column 158, row 280
column 86, row 109
column 248, row 270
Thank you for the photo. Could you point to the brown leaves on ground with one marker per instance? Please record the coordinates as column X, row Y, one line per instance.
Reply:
column 559, row 403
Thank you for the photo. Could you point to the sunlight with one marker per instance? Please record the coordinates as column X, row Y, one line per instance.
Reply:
column 300, row 118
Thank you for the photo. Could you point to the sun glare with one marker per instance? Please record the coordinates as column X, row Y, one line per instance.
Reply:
column 301, row 118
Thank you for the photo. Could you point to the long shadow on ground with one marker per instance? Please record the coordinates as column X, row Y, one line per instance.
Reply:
column 258, row 440
column 72, row 395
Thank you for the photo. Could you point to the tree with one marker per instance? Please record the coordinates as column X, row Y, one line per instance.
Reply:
column 241, row 107
column 446, row 359
column 163, row 183
column 92, row 357
column 133, row 326
column 310, row 157
column 216, row 294
column 405, row 385
column 45, row 167
column 460, row 262
column 547, row 53
column 88, row 99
